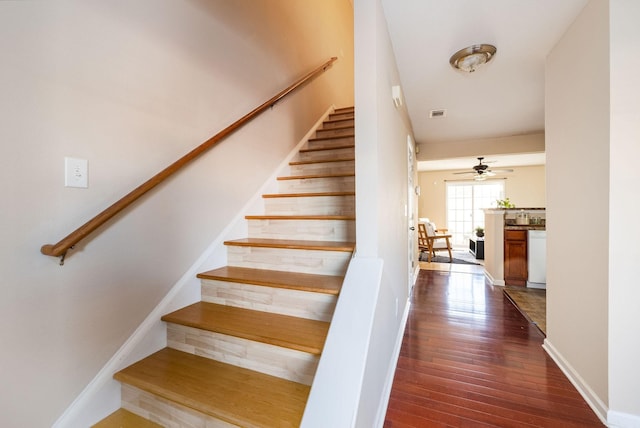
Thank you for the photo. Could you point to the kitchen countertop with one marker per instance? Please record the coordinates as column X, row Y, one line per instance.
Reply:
column 524, row 227
column 516, row 210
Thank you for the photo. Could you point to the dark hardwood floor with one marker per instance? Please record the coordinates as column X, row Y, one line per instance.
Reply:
column 470, row 359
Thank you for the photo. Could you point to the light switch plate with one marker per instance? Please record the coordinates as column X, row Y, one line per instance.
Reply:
column 76, row 173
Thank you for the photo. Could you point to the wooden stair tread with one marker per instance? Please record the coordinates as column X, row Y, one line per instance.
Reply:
column 293, row 244
column 123, row 418
column 338, row 119
column 320, row 149
column 308, row 162
column 343, row 109
column 308, row 176
column 307, row 195
column 336, row 128
column 233, row 394
column 300, row 217
column 326, row 284
column 332, row 137
column 301, row 334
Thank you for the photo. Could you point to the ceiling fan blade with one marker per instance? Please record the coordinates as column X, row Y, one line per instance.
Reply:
column 465, row 172
column 499, row 170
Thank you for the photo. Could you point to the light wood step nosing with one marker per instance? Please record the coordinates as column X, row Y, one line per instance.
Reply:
column 209, row 387
column 325, row 149
column 341, row 116
column 331, row 137
column 307, row 195
column 339, row 246
column 347, row 108
column 123, row 418
column 314, row 161
column 342, row 113
column 316, row 176
column 300, row 217
column 328, row 125
column 339, row 119
column 335, row 128
column 264, row 327
column 315, row 283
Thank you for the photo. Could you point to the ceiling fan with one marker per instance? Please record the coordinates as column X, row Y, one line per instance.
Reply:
column 482, row 171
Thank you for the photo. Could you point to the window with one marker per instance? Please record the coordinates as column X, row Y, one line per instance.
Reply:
column 465, row 203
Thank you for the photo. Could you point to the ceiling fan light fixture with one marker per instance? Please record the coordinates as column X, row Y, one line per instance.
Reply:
column 472, row 57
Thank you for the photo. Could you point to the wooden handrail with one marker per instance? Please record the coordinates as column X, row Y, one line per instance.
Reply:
column 60, row 249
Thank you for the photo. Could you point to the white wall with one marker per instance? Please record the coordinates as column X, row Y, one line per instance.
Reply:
column 131, row 86
column 624, row 253
column 525, row 187
column 577, row 147
column 381, row 186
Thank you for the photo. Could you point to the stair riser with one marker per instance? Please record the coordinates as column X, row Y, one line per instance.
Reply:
column 332, row 184
column 339, row 124
column 323, row 168
column 273, row 360
column 315, row 230
column 289, row 260
column 339, row 116
column 310, row 205
column 165, row 412
column 303, row 304
column 334, row 142
column 329, row 132
column 326, row 154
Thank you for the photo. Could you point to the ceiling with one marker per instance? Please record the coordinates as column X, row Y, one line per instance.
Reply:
column 502, row 98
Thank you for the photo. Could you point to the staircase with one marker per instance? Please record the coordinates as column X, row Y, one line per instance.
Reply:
column 246, row 354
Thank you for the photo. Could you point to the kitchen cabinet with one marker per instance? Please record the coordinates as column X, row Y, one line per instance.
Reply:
column 515, row 257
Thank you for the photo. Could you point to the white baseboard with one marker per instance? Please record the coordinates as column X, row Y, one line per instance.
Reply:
column 492, row 281
column 386, row 392
column 416, row 272
column 101, row 396
column 622, row 420
column 592, row 399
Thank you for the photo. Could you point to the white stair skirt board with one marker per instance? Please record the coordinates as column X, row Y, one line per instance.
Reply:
column 345, row 351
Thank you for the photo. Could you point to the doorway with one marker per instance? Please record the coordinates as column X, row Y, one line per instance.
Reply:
column 411, row 210
column 466, row 201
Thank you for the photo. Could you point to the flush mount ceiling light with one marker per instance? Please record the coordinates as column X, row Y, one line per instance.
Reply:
column 468, row 59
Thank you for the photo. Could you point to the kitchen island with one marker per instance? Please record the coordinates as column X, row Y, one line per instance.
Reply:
column 505, row 243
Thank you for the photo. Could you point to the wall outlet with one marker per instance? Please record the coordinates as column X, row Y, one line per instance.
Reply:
column 76, row 173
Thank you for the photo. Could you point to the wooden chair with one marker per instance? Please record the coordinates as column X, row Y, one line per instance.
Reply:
column 431, row 241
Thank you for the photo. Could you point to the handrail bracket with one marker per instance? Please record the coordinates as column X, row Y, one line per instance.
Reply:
column 62, row 258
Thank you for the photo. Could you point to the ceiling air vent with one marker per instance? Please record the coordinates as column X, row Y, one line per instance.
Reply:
column 433, row 114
